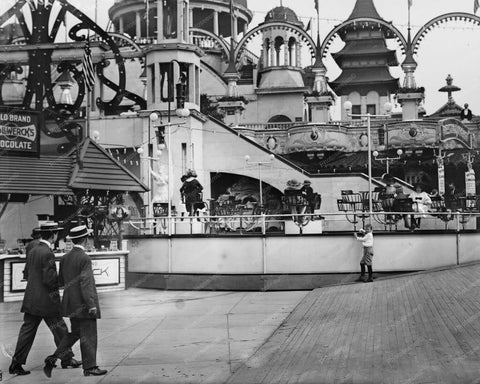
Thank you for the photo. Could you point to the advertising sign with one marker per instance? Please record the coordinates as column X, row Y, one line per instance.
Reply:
column 19, row 132
column 441, row 179
column 105, row 271
column 470, row 188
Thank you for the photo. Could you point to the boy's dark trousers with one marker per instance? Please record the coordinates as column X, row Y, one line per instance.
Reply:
column 362, row 272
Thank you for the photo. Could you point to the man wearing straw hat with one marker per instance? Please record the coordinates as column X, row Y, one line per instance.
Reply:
column 41, row 300
column 80, row 304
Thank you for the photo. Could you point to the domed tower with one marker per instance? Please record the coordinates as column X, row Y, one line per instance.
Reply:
column 130, row 16
column 280, row 82
column 365, row 60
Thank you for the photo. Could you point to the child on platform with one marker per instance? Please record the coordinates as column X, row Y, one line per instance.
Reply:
column 366, row 237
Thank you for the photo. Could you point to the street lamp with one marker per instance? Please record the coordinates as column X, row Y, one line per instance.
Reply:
column 388, row 108
column 260, row 163
column 388, row 159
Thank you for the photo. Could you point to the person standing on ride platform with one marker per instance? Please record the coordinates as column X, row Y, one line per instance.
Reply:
column 421, row 203
column 366, row 237
column 307, row 192
column 466, row 113
column 191, row 191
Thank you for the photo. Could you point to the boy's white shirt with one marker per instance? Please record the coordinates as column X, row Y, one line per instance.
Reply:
column 367, row 240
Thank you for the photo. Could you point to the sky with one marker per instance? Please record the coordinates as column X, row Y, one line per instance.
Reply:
column 451, row 49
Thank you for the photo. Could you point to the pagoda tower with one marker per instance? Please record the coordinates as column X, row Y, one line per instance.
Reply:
column 365, row 60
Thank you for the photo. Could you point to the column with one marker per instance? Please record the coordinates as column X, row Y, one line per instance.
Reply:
column 245, row 28
column 138, row 24
column 298, row 51
column 180, row 20
column 159, row 21
column 191, row 83
column 215, row 22
column 121, row 25
column 190, row 19
column 286, row 54
column 235, row 27
column 273, row 57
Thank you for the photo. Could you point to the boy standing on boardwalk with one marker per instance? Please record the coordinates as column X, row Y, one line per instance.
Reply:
column 366, row 237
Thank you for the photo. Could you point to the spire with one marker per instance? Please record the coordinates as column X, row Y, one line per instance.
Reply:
column 409, row 65
column 364, row 8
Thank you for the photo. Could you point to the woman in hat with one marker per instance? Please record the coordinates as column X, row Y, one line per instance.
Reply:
column 421, row 203
column 80, row 304
column 191, row 191
column 41, row 300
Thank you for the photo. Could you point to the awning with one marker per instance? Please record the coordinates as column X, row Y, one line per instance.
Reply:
column 61, row 175
column 101, row 171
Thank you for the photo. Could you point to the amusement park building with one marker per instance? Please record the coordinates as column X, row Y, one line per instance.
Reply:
column 157, row 58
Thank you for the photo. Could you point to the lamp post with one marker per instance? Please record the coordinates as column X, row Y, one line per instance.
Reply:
column 388, row 159
column 348, row 108
column 260, row 163
column 181, row 112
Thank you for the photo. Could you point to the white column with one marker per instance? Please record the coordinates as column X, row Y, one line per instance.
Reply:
column 138, row 25
column 191, row 83
column 273, row 55
column 215, row 22
column 159, row 21
column 235, row 27
column 121, row 25
column 190, row 18
column 298, row 50
column 245, row 28
column 286, row 54
column 180, row 20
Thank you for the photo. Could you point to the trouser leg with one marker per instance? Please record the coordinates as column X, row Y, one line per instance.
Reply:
column 370, row 273
column 362, row 269
column 64, row 348
column 59, row 330
column 26, row 336
column 87, row 329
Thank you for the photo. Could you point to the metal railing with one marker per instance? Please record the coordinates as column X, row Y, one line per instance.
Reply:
column 298, row 223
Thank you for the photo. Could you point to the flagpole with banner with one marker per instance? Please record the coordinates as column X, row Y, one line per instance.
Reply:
column 317, row 7
column 476, row 5
column 89, row 79
column 409, row 8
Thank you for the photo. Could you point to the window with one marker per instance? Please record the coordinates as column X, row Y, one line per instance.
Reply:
column 356, row 110
column 372, row 109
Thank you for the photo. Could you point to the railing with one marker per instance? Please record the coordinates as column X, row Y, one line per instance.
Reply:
column 388, row 210
column 267, row 126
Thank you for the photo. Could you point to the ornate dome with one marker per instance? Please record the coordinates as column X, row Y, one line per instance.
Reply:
column 283, row 14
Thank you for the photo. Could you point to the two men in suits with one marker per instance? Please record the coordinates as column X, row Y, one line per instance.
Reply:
column 41, row 300
column 80, row 304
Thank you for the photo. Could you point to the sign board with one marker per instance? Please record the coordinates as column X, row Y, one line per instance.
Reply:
column 19, row 132
column 470, row 188
column 441, row 179
column 160, row 209
column 105, row 271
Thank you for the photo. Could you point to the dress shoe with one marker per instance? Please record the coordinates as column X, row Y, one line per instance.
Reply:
column 49, row 365
column 72, row 363
column 95, row 371
column 16, row 369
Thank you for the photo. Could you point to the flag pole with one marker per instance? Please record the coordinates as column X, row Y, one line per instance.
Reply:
column 409, row 7
column 87, row 125
column 318, row 20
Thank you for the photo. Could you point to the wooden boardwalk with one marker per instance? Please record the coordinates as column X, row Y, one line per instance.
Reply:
column 422, row 328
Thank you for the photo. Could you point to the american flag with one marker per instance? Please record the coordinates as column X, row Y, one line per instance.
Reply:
column 316, row 5
column 475, row 6
column 410, row 3
column 87, row 66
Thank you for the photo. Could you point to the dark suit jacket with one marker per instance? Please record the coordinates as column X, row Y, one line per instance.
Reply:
column 80, row 294
column 41, row 295
column 466, row 114
column 32, row 244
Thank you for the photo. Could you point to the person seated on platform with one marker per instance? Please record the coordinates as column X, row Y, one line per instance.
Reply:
column 451, row 197
column 307, row 192
column 191, row 190
column 466, row 113
column 387, row 194
column 402, row 203
column 421, row 203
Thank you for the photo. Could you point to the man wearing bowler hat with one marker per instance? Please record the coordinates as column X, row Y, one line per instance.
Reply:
column 41, row 300
column 80, row 304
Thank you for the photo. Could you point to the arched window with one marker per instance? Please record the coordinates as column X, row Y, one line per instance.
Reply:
column 266, row 49
column 279, row 48
column 280, row 119
column 292, row 54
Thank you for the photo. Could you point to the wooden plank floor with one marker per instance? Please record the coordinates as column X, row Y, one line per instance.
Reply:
column 422, row 328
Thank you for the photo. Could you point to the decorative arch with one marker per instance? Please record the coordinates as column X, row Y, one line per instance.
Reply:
column 304, row 36
column 435, row 22
column 395, row 32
